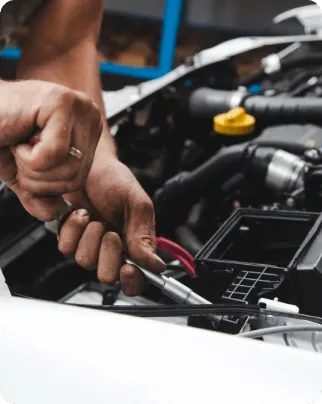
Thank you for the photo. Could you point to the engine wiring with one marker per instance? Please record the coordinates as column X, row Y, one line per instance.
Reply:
column 278, row 169
column 199, row 310
column 188, row 310
column 284, row 329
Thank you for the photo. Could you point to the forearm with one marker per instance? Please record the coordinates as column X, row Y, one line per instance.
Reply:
column 78, row 70
column 70, row 57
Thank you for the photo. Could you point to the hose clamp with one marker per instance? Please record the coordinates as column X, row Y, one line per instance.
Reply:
column 238, row 97
column 284, row 172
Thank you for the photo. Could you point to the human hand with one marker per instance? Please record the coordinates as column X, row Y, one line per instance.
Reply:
column 63, row 118
column 125, row 223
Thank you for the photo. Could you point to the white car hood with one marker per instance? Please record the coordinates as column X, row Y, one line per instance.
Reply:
column 56, row 354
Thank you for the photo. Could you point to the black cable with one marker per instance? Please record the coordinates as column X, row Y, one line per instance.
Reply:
column 302, row 77
column 261, row 74
column 223, row 309
column 184, row 311
column 301, row 90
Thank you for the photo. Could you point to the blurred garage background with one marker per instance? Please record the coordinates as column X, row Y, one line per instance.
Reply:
column 161, row 34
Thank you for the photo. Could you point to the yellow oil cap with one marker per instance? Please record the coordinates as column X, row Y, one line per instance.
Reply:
column 235, row 122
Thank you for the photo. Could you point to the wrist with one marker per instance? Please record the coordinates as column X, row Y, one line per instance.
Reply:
column 106, row 147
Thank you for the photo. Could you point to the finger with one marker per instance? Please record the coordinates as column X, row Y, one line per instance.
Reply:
column 8, row 168
column 140, row 231
column 110, row 258
column 54, row 144
column 132, row 280
column 63, row 172
column 44, row 209
column 53, row 188
column 89, row 246
column 92, row 116
column 85, row 135
column 71, row 232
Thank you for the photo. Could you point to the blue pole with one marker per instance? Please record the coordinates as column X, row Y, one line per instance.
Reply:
column 171, row 24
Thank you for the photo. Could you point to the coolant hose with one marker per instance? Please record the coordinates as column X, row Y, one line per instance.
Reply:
column 205, row 103
column 284, row 65
column 189, row 185
column 188, row 240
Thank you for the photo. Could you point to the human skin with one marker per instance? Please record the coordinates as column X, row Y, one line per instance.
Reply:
column 114, row 213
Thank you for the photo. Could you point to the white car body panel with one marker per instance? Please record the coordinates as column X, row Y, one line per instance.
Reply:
column 118, row 101
column 56, row 354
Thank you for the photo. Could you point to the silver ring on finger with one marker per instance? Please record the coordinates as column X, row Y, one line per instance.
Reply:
column 76, row 153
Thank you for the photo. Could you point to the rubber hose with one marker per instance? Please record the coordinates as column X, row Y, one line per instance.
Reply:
column 186, row 237
column 205, row 103
column 288, row 64
column 227, row 162
column 282, row 110
column 190, row 185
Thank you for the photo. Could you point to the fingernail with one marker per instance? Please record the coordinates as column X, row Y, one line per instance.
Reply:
column 160, row 260
column 82, row 213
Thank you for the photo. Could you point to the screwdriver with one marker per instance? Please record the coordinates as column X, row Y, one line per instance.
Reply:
column 174, row 289
column 168, row 286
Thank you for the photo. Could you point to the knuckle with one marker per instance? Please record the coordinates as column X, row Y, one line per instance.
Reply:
column 63, row 98
column 146, row 205
column 82, row 101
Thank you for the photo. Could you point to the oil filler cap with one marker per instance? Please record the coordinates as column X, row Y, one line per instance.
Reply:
column 235, row 122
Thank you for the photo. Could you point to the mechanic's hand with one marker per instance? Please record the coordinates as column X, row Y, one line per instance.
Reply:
column 63, row 118
column 115, row 198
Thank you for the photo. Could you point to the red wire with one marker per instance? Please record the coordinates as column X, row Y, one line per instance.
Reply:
column 179, row 253
column 175, row 250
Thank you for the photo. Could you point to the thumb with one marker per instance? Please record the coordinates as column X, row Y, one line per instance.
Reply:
column 140, row 231
column 45, row 209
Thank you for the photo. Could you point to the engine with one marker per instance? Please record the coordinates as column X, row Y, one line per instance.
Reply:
column 234, row 167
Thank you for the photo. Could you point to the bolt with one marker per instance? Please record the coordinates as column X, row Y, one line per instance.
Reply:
column 271, row 320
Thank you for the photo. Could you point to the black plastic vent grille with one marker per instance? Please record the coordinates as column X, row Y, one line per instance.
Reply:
column 254, row 281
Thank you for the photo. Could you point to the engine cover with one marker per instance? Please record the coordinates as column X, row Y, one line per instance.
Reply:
column 308, row 135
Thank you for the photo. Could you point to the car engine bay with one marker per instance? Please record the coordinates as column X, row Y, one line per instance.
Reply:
column 234, row 168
